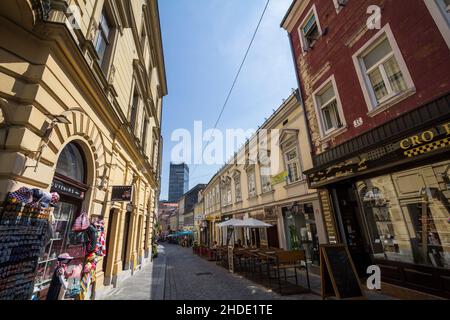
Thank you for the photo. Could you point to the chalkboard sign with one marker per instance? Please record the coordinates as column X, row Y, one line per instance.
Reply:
column 338, row 273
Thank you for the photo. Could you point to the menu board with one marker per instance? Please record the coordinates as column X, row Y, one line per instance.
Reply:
column 328, row 218
column 338, row 273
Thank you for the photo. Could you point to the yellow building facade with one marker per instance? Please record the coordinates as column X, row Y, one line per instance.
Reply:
column 82, row 83
column 265, row 181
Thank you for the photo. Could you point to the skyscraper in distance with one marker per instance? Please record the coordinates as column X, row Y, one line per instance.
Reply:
column 178, row 181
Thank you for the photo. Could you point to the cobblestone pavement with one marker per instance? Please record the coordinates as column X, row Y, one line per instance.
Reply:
column 178, row 274
column 189, row 277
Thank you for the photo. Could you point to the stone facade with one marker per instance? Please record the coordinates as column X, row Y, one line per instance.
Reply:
column 58, row 87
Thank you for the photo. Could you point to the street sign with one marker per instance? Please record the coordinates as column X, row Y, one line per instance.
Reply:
column 122, row 193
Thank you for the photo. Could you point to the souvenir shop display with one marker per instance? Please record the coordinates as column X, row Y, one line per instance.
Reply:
column 60, row 284
column 25, row 230
column 95, row 249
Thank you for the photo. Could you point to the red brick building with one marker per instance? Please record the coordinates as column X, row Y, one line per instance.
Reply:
column 375, row 81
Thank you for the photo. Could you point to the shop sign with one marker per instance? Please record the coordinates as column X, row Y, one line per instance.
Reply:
column 424, row 142
column 279, row 178
column 122, row 193
column 64, row 189
column 199, row 217
column 270, row 213
column 328, row 218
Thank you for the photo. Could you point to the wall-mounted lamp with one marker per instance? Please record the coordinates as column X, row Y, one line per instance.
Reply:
column 55, row 120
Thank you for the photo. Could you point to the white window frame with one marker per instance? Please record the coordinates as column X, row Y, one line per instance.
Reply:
column 251, row 193
column 326, row 133
column 268, row 187
column 373, row 106
column 265, row 164
column 438, row 16
column 237, row 181
column 303, row 40
column 299, row 166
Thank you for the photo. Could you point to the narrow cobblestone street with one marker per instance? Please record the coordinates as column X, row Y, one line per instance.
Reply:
column 178, row 274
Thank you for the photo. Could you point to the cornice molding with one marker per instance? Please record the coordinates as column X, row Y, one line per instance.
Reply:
column 294, row 14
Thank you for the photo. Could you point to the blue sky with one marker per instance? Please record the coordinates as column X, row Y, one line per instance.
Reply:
column 204, row 43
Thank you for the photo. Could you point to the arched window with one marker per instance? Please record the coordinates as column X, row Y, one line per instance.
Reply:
column 71, row 163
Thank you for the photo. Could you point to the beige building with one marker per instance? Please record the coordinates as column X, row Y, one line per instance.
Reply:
column 266, row 182
column 199, row 219
column 211, row 196
column 81, row 91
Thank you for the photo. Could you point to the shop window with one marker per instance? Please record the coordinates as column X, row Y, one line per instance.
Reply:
column 69, row 182
column 407, row 214
column 309, row 30
column 329, row 108
column 440, row 11
column 301, row 230
column 71, row 163
column 382, row 70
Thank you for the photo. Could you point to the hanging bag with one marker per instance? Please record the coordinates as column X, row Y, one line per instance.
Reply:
column 81, row 223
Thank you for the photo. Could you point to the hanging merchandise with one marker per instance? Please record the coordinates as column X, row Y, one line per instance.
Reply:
column 92, row 238
column 81, row 222
column 89, row 276
column 25, row 230
column 96, row 248
column 100, row 249
column 59, row 283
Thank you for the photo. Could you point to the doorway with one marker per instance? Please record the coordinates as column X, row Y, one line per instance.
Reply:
column 112, row 220
column 347, row 212
column 126, row 230
column 272, row 237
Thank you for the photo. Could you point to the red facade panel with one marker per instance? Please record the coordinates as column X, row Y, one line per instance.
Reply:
column 421, row 44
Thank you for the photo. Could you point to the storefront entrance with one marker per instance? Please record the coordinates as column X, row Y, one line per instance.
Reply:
column 272, row 237
column 350, row 224
column 70, row 183
column 301, row 231
column 126, row 230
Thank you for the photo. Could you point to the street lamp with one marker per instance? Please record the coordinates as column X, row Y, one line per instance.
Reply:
column 56, row 119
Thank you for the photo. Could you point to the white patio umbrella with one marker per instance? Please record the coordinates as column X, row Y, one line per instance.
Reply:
column 253, row 223
column 226, row 224
column 229, row 223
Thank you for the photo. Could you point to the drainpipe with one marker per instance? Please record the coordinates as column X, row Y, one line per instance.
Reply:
column 300, row 97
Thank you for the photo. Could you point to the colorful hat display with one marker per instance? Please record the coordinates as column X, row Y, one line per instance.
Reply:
column 64, row 256
column 54, row 199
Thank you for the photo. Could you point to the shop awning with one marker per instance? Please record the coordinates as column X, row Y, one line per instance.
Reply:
column 180, row 234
